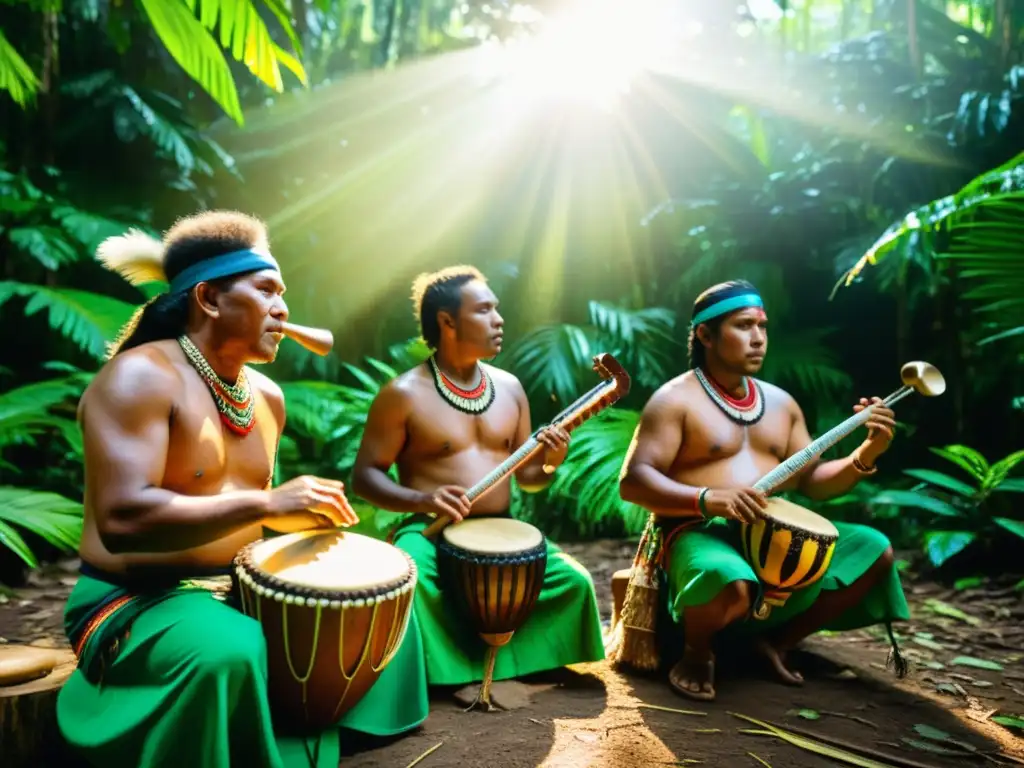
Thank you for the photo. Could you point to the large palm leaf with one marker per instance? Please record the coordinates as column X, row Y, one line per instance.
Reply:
column 189, row 41
column 978, row 231
column 52, row 517
column 26, row 411
column 16, row 77
column 90, row 320
column 587, row 483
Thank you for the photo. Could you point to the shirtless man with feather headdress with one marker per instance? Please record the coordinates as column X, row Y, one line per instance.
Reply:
column 181, row 437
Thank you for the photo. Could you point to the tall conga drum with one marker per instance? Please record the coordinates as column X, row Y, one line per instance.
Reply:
column 334, row 608
column 495, row 568
column 789, row 549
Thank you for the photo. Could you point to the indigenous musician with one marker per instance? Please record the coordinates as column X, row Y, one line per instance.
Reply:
column 446, row 424
column 180, row 440
column 716, row 428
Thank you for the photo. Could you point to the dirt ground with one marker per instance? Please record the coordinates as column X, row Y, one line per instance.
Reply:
column 967, row 647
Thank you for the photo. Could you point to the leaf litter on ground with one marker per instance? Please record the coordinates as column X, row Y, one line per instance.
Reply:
column 802, row 742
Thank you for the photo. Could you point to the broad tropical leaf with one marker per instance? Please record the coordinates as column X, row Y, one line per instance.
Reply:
column 967, row 458
column 942, row 480
column 804, row 359
column 1001, row 469
column 550, row 361
column 195, row 50
column 244, row 33
column 16, row 77
column 916, row 499
column 54, row 518
column 1013, row 526
column 640, row 339
column 942, row 545
column 90, row 320
column 588, row 481
column 978, row 231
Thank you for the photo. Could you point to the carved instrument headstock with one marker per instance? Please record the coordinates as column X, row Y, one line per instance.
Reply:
column 615, row 386
column 608, row 367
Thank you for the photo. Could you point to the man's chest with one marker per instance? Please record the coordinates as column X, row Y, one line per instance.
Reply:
column 206, row 456
column 439, row 429
column 712, row 434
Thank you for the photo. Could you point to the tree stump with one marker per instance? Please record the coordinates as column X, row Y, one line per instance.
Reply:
column 30, row 679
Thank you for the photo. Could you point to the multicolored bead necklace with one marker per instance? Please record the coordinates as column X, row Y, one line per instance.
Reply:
column 476, row 400
column 235, row 403
column 745, row 410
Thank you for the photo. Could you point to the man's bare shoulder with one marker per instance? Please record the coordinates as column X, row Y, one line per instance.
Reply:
column 149, row 367
column 776, row 397
column 674, row 395
column 266, row 386
column 504, row 379
column 269, row 389
column 406, row 388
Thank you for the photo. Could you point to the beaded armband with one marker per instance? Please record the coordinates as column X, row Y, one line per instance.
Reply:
column 864, row 469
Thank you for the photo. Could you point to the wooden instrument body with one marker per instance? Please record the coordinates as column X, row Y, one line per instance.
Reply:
column 497, row 589
column 789, row 549
column 326, row 646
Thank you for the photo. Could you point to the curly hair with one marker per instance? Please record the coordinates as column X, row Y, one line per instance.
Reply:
column 440, row 291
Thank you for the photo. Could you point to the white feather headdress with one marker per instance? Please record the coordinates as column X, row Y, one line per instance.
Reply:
column 136, row 256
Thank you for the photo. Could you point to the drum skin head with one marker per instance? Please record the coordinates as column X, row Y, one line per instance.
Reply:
column 788, row 513
column 330, row 560
column 493, row 536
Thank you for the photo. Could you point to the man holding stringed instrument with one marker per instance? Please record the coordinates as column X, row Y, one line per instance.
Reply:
column 445, row 425
column 180, row 439
column 703, row 440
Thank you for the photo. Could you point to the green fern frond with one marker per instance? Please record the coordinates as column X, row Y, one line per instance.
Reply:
column 641, row 339
column 551, row 360
column 47, row 245
column 48, row 515
column 999, row 192
column 25, row 412
column 16, row 77
column 90, row 320
column 802, row 358
column 587, row 483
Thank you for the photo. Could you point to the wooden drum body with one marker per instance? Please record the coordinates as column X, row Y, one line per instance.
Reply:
column 790, row 549
column 334, row 608
column 495, row 568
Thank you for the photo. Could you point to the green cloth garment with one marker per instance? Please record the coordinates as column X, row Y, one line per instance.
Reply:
column 564, row 628
column 177, row 676
column 704, row 560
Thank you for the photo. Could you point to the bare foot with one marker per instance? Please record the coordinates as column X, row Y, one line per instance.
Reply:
column 777, row 658
column 694, row 676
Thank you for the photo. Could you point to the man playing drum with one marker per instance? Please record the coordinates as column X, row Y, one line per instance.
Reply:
column 446, row 424
column 180, row 441
column 716, row 428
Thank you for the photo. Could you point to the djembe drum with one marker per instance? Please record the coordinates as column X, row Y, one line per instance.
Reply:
column 495, row 566
column 334, row 608
column 789, row 549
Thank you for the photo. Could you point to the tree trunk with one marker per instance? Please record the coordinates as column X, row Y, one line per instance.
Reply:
column 29, row 737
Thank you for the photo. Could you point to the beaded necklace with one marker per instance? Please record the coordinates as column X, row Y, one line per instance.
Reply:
column 235, row 403
column 475, row 400
column 746, row 410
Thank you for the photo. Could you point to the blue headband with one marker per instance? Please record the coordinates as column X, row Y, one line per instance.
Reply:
column 727, row 305
column 225, row 265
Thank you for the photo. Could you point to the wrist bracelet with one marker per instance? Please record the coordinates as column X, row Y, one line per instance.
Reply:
column 700, row 502
column 861, row 467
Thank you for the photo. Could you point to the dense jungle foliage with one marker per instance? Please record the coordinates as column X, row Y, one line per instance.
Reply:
column 861, row 161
